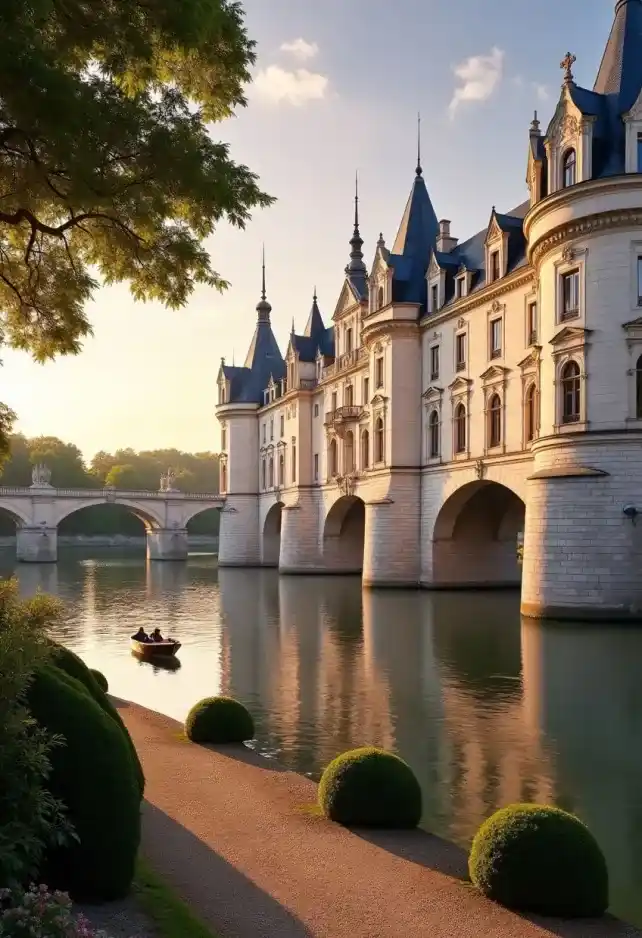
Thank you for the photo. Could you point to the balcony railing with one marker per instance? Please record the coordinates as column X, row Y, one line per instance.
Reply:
column 343, row 414
column 346, row 361
column 308, row 384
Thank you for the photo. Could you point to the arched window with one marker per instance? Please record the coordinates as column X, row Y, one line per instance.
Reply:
column 221, row 394
column 263, row 474
column 348, row 395
column 379, row 297
column 460, row 429
column 638, row 388
column 333, row 468
column 571, row 393
column 348, row 453
column 569, row 169
column 271, row 473
column 433, row 434
column 365, row 449
column 530, row 413
column 380, row 444
column 495, row 421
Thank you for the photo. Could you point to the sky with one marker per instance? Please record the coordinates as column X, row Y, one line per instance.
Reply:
column 337, row 88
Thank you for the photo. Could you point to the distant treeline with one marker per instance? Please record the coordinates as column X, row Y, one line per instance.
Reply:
column 124, row 469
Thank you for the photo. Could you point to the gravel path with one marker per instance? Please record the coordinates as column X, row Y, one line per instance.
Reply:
column 119, row 919
column 231, row 832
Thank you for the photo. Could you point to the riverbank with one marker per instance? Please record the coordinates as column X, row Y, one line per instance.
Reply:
column 235, row 836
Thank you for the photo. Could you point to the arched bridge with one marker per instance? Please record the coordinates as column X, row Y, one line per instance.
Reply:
column 39, row 509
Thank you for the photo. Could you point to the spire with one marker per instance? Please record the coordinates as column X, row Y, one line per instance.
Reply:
column 620, row 71
column 535, row 131
column 356, row 269
column 263, row 308
column 314, row 328
column 419, row 170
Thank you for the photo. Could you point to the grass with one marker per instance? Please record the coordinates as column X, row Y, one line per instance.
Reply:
column 169, row 914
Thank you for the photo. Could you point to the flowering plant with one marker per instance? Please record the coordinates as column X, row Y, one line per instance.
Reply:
column 38, row 913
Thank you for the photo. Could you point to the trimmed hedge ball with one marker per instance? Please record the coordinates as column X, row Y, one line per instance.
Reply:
column 100, row 679
column 219, row 720
column 369, row 787
column 535, row 858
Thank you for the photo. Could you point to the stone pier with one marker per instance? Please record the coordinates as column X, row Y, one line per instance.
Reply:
column 167, row 544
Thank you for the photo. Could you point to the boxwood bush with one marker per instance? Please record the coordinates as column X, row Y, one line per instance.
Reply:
column 534, row 858
column 219, row 720
column 369, row 787
column 93, row 775
column 100, row 679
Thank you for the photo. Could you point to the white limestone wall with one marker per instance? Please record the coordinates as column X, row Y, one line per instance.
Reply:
column 242, row 429
column 239, row 536
column 301, row 544
column 404, row 419
column 392, row 532
column 270, row 523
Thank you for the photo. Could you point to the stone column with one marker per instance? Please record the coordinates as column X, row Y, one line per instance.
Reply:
column 391, row 554
column 300, row 537
column 167, row 544
column 239, row 539
column 37, row 545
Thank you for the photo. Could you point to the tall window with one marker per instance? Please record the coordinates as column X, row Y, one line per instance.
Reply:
column 223, row 477
column 638, row 388
column 264, row 432
column 460, row 352
column 263, row 474
column 282, row 424
column 571, row 295
column 531, row 324
column 316, row 410
column 272, row 428
column 380, row 447
column 494, row 266
column 294, row 459
column 333, row 467
column 348, row 395
column 569, row 169
column 333, row 405
column 365, row 449
column 281, row 468
column 640, row 278
column 379, row 372
column 348, row 452
column 495, row 421
column 459, row 287
column 379, row 297
column 571, row 393
column 221, row 394
column 366, row 391
column 271, row 472
column 433, row 434
column 223, row 437
column 348, row 340
column 434, row 362
column 434, row 298
column 530, row 413
column 640, row 153
column 316, row 467
column 460, row 429
column 496, row 338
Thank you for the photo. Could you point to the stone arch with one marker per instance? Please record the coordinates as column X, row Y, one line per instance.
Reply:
column 344, row 535
column 14, row 513
column 145, row 514
column 271, row 536
column 476, row 537
column 192, row 511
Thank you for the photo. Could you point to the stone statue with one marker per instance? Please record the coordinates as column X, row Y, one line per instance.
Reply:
column 167, row 481
column 40, row 476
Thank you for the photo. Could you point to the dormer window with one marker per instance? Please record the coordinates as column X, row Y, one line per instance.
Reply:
column 494, row 266
column 434, row 297
column 569, row 169
column 348, row 341
column 221, row 393
column 460, row 286
column 380, row 298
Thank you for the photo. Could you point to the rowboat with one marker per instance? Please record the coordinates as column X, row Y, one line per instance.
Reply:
column 153, row 650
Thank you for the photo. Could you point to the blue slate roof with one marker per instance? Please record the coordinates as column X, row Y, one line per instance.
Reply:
column 415, row 240
column 620, row 74
column 315, row 336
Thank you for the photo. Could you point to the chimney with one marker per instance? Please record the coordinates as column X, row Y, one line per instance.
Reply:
column 445, row 243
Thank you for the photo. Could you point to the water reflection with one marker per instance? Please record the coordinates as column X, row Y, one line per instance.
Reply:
column 487, row 711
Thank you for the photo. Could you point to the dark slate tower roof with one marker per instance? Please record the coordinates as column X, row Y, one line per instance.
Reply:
column 620, row 73
column 315, row 335
column 356, row 270
column 314, row 326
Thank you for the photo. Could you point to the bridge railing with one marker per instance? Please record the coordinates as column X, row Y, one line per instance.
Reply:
column 107, row 493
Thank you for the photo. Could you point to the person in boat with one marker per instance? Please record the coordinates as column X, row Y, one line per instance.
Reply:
column 141, row 635
column 156, row 635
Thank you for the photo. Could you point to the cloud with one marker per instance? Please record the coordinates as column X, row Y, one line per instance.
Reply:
column 301, row 49
column 541, row 91
column 478, row 76
column 277, row 85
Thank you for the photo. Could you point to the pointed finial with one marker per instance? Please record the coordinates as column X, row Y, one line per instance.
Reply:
column 314, row 295
column 263, row 277
column 292, row 327
column 535, row 125
column 356, row 265
column 356, row 201
column 418, row 169
column 381, row 243
column 263, row 308
column 233, row 358
column 567, row 64
column 222, row 359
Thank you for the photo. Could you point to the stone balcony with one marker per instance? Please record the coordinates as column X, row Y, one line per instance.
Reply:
column 342, row 415
column 345, row 362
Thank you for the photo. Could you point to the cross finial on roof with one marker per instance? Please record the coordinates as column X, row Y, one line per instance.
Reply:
column 567, row 64
column 535, row 124
column 419, row 169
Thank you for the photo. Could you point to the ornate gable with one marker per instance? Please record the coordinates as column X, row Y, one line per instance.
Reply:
column 432, row 394
column 532, row 359
column 433, row 268
column 347, row 300
column 495, row 373
column 459, row 384
column 570, row 335
column 494, row 232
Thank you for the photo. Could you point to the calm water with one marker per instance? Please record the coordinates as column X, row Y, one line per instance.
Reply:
column 487, row 709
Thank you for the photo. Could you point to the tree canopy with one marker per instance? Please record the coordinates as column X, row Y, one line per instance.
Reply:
column 107, row 170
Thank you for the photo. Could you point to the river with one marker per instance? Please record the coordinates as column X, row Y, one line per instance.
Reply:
column 486, row 708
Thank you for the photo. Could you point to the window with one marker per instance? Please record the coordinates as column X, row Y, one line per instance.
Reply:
column 272, row 428
column 379, row 297
column 640, row 153
column 282, row 424
column 316, row 467
column 433, row 434
column 459, row 287
column 281, row 468
column 223, row 438
column 460, row 351
column 263, row 474
column 223, row 478
column 294, row 459
column 334, row 401
column 316, row 410
column 380, row 448
column 434, row 362
column 531, row 324
column 366, row 390
column 494, row 266
column 264, row 432
column 379, row 372
column 571, row 392
column 333, row 468
column 640, row 278
column 495, row 338
column 365, row 449
column 495, row 421
column 460, row 429
column 271, row 472
column 348, row 340
column 348, row 453
column 434, row 297
column 348, row 395
column 569, row 169
column 571, row 295
column 530, row 413
column 638, row 388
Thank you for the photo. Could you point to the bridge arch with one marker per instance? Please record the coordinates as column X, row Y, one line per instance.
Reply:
column 271, row 536
column 196, row 509
column 149, row 517
column 14, row 513
column 476, row 536
column 344, row 535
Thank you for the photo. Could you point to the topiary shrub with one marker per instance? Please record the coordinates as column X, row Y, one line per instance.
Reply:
column 369, row 787
column 93, row 775
column 100, row 679
column 69, row 662
column 219, row 720
column 534, row 858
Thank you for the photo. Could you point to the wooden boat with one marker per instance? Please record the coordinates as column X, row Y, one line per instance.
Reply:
column 151, row 651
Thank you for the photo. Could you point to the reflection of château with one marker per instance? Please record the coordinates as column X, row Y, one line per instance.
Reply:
column 468, row 392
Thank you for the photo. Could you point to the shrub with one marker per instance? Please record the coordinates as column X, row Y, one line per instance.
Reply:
column 219, row 720
column 534, row 858
column 100, row 679
column 370, row 788
column 35, row 912
column 69, row 662
column 94, row 777
column 30, row 818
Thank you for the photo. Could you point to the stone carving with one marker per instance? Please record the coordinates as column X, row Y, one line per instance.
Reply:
column 40, row 476
column 461, row 323
column 568, row 254
column 496, row 307
column 167, row 481
column 480, row 468
column 568, row 128
column 347, row 483
column 625, row 218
